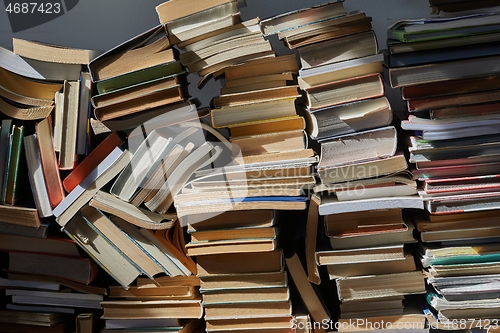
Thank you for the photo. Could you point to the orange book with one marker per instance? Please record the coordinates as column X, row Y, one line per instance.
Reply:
column 91, row 161
column 49, row 162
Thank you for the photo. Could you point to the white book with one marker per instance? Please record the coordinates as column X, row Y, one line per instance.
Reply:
column 331, row 205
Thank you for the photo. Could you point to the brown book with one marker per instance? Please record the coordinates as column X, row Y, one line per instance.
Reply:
column 264, row 66
column 78, row 269
column 243, row 281
column 231, row 246
column 181, row 309
column 339, row 49
column 368, row 254
column 49, row 162
column 345, row 223
column 156, row 292
column 237, row 219
column 133, row 55
column 452, row 87
column 325, row 34
column 467, row 110
column 176, row 9
column 22, row 90
column 86, row 323
column 19, row 215
column 168, row 95
column 252, row 80
column 277, row 142
column 234, row 233
column 238, row 263
column 421, row 104
column 230, row 116
column 344, row 91
column 279, row 294
column 269, row 126
column 248, row 310
column 363, row 170
column 384, row 285
column 406, row 264
column 256, row 96
column 274, row 324
column 310, row 241
column 313, row 303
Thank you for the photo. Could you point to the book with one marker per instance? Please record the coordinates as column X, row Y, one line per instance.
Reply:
column 363, row 169
column 5, row 144
column 311, row 235
column 51, row 245
column 243, row 281
column 437, row 28
column 384, row 285
column 359, row 255
column 255, row 96
column 274, row 324
column 315, row 76
column 49, row 162
column 231, row 246
column 399, row 265
column 173, row 10
column 15, row 167
column 296, row 18
column 57, row 298
column 38, row 70
column 128, row 245
column 366, row 221
column 101, row 250
column 269, row 126
column 347, row 118
column 145, row 50
column 83, row 131
column 344, row 91
column 91, row 161
column 239, row 263
column 67, row 154
column 234, row 233
column 276, row 142
column 140, row 217
column 248, row 310
column 52, row 53
column 20, row 89
column 246, row 296
column 121, row 309
column 307, row 293
column 36, row 177
column 358, row 147
column 203, row 22
column 264, row 66
column 104, row 172
column 79, row 269
column 337, row 50
column 331, row 205
column 451, row 70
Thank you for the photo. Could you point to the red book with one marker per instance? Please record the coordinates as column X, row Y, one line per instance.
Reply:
column 92, row 160
column 49, row 162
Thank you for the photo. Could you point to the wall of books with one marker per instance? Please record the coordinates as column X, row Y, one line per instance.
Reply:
column 304, row 171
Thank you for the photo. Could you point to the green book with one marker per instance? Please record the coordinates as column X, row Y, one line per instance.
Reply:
column 143, row 75
column 13, row 165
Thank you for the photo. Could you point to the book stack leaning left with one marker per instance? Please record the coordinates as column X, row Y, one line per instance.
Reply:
column 45, row 277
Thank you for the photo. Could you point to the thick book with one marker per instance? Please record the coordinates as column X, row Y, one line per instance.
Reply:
column 101, row 250
column 450, row 70
column 348, row 118
column 248, row 310
column 359, row 255
column 310, row 77
column 148, row 49
column 399, row 265
column 240, row 263
column 174, row 10
column 340, row 49
column 331, row 205
column 264, row 66
column 78, row 269
column 120, row 309
column 52, row 53
column 49, row 162
column 69, row 125
column 38, row 70
column 15, row 167
column 344, row 91
column 296, row 18
column 367, row 145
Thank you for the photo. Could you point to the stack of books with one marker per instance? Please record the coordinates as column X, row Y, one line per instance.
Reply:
column 172, row 304
column 241, row 268
column 452, row 96
column 373, row 269
column 47, row 284
column 137, row 81
column 212, row 35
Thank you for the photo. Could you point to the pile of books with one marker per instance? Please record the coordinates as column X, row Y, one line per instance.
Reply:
column 47, row 284
column 241, row 268
column 447, row 69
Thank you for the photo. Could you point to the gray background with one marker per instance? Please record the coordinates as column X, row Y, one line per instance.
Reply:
column 102, row 24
